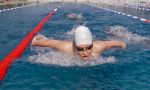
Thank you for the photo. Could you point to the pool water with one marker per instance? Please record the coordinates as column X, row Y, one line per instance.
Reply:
column 46, row 69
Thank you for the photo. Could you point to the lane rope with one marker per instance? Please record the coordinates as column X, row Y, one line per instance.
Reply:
column 121, row 13
column 134, row 7
column 18, row 51
column 8, row 9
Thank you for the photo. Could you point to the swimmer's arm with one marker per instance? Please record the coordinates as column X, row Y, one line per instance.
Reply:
column 111, row 44
column 56, row 44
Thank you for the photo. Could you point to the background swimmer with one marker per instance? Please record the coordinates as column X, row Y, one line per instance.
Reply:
column 82, row 45
column 74, row 16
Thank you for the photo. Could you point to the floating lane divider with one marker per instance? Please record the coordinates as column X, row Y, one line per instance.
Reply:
column 144, row 9
column 4, row 10
column 121, row 13
column 18, row 51
column 135, row 7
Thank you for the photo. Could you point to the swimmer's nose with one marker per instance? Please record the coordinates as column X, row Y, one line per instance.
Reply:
column 85, row 53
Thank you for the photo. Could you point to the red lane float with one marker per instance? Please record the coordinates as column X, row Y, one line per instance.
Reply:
column 147, row 21
column 18, row 51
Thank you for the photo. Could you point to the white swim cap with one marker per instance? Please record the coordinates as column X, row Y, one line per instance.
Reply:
column 82, row 35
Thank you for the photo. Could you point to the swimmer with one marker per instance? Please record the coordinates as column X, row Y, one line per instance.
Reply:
column 74, row 16
column 82, row 44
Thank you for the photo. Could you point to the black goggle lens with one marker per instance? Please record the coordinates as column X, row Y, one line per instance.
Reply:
column 82, row 49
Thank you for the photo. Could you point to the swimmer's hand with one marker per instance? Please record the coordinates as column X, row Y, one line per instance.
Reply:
column 37, row 40
column 123, row 45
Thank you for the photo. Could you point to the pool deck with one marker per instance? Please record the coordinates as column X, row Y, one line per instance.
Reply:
column 11, row 3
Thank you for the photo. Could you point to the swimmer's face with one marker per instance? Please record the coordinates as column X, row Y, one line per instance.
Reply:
column 84, row 51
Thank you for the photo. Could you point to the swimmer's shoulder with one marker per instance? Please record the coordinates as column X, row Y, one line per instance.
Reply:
column 67, row 46
column 63, row 45
column 99, row 45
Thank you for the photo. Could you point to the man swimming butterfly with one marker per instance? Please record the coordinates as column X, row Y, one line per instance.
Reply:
column 82, row 44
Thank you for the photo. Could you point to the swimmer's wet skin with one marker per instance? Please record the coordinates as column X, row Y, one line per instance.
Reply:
column 82, row 44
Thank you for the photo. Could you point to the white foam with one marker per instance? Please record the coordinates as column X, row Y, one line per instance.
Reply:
column 135, row 17
column 142, row 19
column 115, row 11
column 8, row 9
column 128, row 15
column 55, row 58
column 70, row 33
column 119, row 12
column 80, row 16
column 123, row 13
column 4, row 10
column 55, row 9
column 122, row 33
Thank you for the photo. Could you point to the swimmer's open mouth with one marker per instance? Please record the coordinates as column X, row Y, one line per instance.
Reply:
column 84, row 57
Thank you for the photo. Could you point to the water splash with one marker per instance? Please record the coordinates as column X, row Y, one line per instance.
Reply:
column 70, row 33
column 122, row 33
column 48, row 56
column 80, row 16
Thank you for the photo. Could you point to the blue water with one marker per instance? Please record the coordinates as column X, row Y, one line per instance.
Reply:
column 127, row 70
